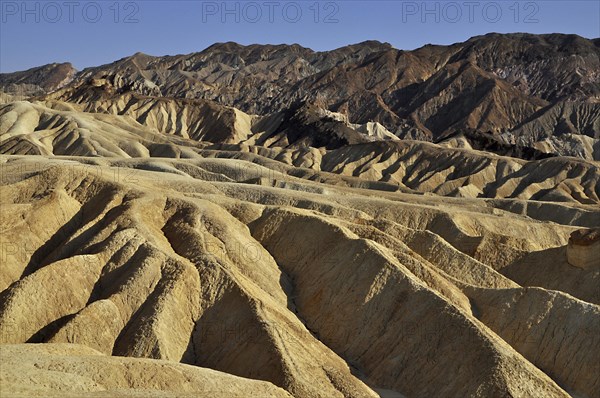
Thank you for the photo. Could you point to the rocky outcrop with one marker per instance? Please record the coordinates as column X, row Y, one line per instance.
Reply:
column 517, row 86
column 583, row 250
column 37, row 81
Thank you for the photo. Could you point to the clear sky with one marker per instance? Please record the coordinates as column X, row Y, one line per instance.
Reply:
column 88, row 33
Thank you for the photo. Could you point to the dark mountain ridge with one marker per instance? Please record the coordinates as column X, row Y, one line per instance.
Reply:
column 538, row 90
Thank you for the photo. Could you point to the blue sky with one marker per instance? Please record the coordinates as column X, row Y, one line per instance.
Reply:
column 89, row 33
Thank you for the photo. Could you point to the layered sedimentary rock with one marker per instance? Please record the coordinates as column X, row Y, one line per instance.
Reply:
column 318, row 288
column 533, row 93
column 268, row 221
column 58, row 128
column 583, row 250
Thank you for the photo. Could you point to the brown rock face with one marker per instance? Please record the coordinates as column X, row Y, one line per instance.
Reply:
column 37, row 81
column 583, row 250
column 521, row 88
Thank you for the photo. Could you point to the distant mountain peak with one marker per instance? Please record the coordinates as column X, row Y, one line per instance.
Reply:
column 519, row 84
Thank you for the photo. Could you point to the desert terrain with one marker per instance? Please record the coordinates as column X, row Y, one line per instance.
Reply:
column 271, row 221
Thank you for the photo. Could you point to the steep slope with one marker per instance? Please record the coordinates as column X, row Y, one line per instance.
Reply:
column 540, row 65
column 268, row 221
column 463, row 96
column 309, row 138
column 33, row 128
column 325, row 287
column 520, row 85
column 38, row 80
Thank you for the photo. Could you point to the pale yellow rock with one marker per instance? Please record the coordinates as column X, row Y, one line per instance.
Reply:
column 70, row 370
column 307, row 282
